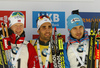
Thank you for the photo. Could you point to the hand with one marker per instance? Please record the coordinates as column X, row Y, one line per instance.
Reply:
column 6, row 43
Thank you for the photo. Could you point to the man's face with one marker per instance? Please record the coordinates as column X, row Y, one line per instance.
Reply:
column 77, row 32
column 17, row 28
column 45, row 31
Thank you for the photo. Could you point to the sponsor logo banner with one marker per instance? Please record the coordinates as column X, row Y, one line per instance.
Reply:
column 58, row 18
column 87, row 17
column 4, row 15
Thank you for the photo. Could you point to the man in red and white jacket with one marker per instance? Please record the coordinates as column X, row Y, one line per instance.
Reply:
column 23, row 54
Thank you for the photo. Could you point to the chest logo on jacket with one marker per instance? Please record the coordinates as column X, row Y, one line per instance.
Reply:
column 44, row 52
column 80, row 48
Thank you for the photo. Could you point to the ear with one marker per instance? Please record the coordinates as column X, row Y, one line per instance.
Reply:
column 38, row 31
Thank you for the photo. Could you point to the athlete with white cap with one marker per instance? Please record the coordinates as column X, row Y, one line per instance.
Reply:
column 23, row 54
column 42, row 44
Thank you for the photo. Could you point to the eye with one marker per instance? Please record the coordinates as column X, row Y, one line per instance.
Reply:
column 21, row 25
column 50, row 26
column 43, row 27
column 15, row 25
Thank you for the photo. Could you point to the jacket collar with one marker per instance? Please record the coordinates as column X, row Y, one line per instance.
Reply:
column 16, row 39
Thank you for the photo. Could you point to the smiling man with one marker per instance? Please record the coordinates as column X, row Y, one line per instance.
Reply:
column 23, row 54
column 76, row 49
column 45, row 31
column 42, row 44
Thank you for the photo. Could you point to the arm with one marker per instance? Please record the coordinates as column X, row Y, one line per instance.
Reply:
column 67, row 64
column 33, row 58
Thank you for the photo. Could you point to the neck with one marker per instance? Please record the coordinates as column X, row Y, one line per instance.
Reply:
column 45, row 41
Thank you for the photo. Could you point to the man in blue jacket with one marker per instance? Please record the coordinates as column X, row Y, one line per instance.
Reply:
column 76, row 49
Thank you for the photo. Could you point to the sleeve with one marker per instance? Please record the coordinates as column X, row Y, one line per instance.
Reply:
column 67, row 64
column 33, row 58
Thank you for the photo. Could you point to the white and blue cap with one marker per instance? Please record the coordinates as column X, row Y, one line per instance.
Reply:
column 16, row 17
column 73, row 21
column 42, row 19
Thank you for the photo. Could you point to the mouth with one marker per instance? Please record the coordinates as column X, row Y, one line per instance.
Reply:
column 47, row 34
column 78, row 35
column 18, row 32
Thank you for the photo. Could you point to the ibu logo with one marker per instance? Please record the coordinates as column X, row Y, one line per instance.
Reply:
column 57, row 18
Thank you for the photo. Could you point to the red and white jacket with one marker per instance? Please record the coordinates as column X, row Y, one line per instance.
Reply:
column 27, row 57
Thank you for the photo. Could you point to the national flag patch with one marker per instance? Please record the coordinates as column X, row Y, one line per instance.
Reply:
column 45, row 19
column 19, row 20
column 75, row 19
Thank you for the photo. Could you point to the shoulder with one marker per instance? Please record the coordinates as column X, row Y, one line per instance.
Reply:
column 85, row 41
column 29, row 45
column 33, row 41
column 25, row 42
column 65, row 45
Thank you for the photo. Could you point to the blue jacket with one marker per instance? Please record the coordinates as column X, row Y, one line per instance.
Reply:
column 67, row 63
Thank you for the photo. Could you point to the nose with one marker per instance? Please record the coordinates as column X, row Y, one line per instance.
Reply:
column 18, row 27
column 78, row 30
column 47, row 29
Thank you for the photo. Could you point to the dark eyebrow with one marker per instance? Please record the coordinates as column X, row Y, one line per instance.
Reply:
column 81, row 26
column 50, row 25
column 74, row 27
column 43, row 26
